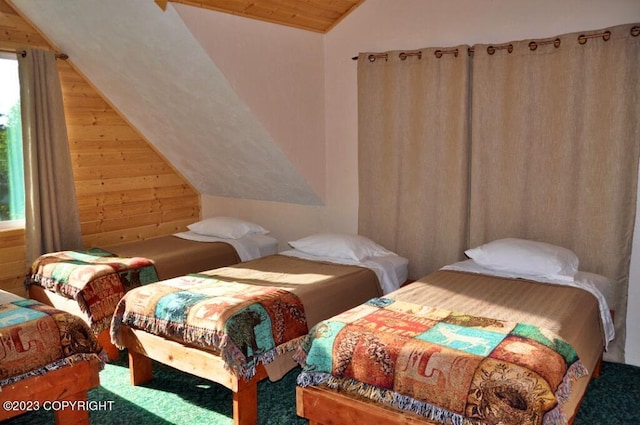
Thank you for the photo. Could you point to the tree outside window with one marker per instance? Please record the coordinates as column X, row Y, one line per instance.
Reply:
column 11, row 167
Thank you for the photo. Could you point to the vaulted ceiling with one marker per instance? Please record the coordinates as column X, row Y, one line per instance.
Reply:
column 313, row 15
column 149, row 64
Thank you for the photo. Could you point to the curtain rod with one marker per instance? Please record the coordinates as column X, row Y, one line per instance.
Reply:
column 582, row 39
column 62, row 56
column 403, row 55
column 22, row 53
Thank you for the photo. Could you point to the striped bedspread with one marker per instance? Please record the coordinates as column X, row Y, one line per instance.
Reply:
column 447, row 366
column 245, row 324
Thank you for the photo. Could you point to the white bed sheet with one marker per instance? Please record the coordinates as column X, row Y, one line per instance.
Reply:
column 392, row 270
column 248, row 247
column 591, row 282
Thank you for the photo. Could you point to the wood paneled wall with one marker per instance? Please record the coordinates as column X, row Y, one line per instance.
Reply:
column 125, row 189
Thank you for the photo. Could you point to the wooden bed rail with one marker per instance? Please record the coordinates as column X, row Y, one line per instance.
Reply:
column 322, row 405
column 69, row 383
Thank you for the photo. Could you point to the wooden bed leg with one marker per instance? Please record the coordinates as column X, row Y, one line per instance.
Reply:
column 73, row 416
column 104, row 339
column 245, row 403
column 245, row 398
column 140, row 368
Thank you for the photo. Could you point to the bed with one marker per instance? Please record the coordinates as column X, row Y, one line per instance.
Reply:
column 190, row 322
column 209, row 243
column 49, row 360
column 435, row 361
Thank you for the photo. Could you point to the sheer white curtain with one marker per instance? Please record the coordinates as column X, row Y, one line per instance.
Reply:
column 555, row 149
column 51, row 209
column 413, row 153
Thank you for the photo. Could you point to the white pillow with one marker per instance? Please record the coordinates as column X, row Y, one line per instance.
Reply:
column 338, row 245
column 226, row 227
column 526, row 257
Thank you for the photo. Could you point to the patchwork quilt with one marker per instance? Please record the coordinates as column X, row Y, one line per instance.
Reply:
column 96, row 279
column 36, row 338
column 245, row 324
column 449, row 367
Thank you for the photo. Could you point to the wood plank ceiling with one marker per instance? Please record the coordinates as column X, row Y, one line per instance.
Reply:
column 312, row 15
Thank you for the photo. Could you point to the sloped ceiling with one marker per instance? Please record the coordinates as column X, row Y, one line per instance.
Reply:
column 149, row 65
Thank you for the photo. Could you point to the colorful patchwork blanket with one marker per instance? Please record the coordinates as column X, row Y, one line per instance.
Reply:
column 446, row 366
column 245, row 324
column 36, row 338
column 96, row 279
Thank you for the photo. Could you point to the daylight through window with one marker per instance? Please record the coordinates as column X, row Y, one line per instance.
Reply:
column 11, row 166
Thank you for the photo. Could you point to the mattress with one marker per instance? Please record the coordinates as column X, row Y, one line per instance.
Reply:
column 576, row 312
column 570, row 312
column 172, row 256
column 176, row 256
column 599, row 286
column 392, row 270
column 324, row 288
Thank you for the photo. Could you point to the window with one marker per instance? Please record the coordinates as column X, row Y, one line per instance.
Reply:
column 11, row 167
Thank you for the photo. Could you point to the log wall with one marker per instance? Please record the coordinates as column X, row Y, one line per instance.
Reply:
column 125, row 189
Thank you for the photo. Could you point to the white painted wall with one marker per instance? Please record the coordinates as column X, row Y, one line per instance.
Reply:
column 149, row 65
column 271, row 65
column 379, row 25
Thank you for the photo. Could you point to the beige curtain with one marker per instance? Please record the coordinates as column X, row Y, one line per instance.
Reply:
column 51, row 216
column 413, row 153
column 555, row 149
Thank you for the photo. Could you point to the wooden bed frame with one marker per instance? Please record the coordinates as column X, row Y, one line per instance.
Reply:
column 143, row 347
column 322, row 405
column 353, row 285
column 69, row 383
column 203, row 256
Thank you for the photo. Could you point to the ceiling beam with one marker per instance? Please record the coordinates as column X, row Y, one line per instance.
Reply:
column 162, row 4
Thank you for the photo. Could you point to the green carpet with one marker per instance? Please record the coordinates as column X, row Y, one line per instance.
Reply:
column 174, row 397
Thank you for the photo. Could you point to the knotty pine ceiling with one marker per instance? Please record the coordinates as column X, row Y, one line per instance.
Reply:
column 312, row 15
